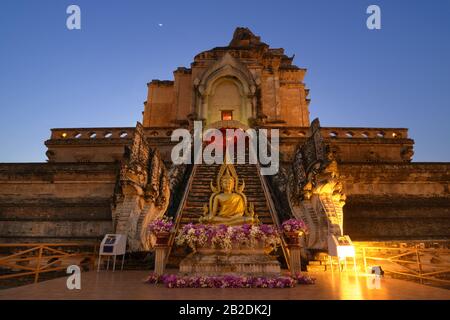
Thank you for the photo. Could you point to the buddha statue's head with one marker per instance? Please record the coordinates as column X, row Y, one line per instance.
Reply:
column 227, row 182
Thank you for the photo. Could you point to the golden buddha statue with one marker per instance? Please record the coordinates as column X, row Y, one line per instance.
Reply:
column 228, row 204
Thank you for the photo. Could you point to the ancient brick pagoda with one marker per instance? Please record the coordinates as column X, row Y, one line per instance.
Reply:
column 355, row 181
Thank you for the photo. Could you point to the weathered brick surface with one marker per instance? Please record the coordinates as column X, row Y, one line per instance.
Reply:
column 55, row 202
column 397, row 201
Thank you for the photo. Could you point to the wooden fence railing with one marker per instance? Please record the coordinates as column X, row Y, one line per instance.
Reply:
column 32, row 259
column 422, row 264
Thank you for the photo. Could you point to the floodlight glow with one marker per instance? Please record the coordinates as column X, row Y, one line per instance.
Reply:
column 345, row 251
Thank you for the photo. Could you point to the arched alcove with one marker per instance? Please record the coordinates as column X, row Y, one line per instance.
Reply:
column 226, row 92
column 226, row 101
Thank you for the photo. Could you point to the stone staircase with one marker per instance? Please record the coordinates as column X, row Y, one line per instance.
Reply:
column 331, row 208
column 318, row 263
column 200, row 192
column 316, row 266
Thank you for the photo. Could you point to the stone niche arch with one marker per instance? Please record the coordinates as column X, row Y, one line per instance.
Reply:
column 226, row 95
column 226, row 86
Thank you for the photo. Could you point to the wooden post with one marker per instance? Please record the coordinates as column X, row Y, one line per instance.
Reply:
column 160, row 257
column 93, row 257
column 161, row 250
column 295, row 258
column 38, row 266
column 330, row 261
column 419, row 265
column 364, row 259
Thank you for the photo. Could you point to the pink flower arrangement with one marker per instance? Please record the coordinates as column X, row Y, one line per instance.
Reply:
column 229, row 281
column 160, row 225
column 294, row 225
column 226, row 237
column 152, row 278
column 303, row 279
column 226, row 281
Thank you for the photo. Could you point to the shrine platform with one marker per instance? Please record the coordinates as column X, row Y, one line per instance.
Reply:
column 129, row 285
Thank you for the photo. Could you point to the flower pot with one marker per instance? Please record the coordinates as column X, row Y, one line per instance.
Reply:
column 292, row 238
column 162, row 238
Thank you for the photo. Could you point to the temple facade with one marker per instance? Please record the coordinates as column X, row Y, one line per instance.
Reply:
column 359, row 182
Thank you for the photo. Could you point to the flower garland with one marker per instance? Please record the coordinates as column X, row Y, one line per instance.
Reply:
column 303, row 279
column 228, row 281
column 225, row 237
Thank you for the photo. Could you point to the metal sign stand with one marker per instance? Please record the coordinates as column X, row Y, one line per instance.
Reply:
column 112, row 245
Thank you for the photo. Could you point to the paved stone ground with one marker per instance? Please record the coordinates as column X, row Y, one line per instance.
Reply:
column 128, row 285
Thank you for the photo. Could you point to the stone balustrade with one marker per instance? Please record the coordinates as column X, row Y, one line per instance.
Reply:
column 92, row 133
column 108, row 133
column 375, row 144
column 346, row 133
column 104, row 144
column 160, row 132
column 389, row 133
column 166, row 132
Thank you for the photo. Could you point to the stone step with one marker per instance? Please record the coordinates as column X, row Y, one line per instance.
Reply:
column 189, row 214
column 241, row 174
column 201, row 196
column 195, row 203
column 212, row 174
column 249, row 181
column 206, row 190
column 207, row 183
column 315, row 263
column 315, row 268
column 198, row 213
column 203, row 191
column 208, row 180
column 204, row 194
column 262, row 220
column 189, row 217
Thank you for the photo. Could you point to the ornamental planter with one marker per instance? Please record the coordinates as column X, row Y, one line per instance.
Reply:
column 222, row 237
column 162, row 238
column 292, row 237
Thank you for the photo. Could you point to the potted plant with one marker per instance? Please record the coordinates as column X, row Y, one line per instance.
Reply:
column 200, row 237
column 293, row 229
column 161, row 229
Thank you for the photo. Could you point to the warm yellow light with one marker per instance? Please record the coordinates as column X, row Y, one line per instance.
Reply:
column 345, row 251
column 64, row 135
column 227, row 115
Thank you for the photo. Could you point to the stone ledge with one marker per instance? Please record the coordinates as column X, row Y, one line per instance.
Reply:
column 219, row 262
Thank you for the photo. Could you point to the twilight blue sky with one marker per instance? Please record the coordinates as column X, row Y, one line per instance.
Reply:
column 51, row 77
